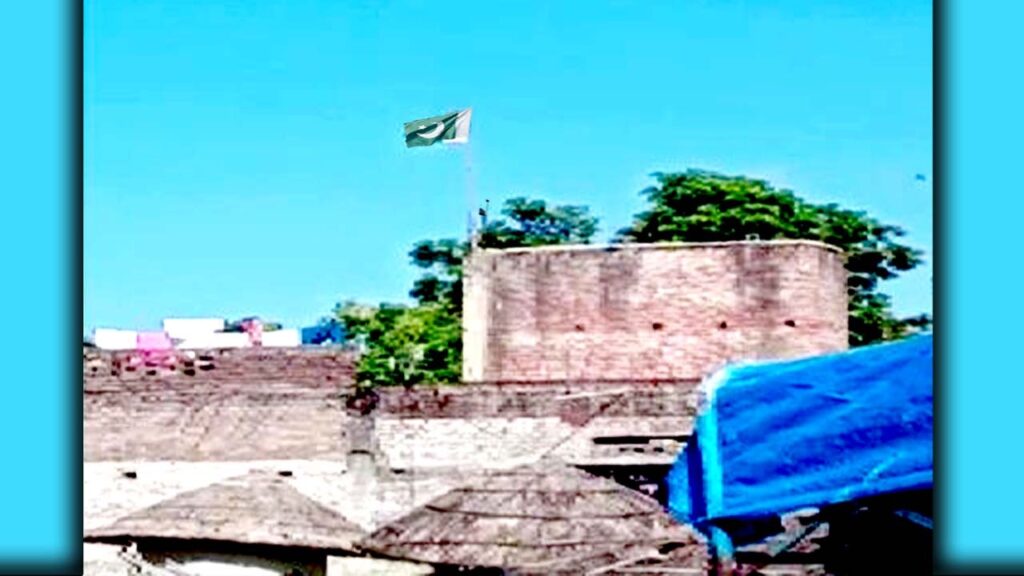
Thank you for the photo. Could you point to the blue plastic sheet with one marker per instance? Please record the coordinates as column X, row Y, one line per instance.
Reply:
column 777, row 437
column 321, row 333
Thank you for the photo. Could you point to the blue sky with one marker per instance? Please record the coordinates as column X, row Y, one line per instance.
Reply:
column 246, row 158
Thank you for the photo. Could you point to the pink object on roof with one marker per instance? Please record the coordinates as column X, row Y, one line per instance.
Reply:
column 254, row 327
column 154, row 341
column 156, row 349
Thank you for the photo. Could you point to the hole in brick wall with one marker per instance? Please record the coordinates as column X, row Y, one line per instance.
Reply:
column 189, row 372
column 285, row 473
column 723, row 325
column 130, row 474
column 657, row 325
column 579, row 327
column 791, row 323
column 659, row 449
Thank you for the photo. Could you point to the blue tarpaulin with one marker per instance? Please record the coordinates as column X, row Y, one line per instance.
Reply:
column 777, row 437
column 328, row 332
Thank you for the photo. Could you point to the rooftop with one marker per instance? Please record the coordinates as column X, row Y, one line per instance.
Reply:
column 616, row 247
column 257, row 508
column 543, row 517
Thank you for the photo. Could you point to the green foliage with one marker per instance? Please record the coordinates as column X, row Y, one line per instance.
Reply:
column 441, row 282
column 871, row 320
column 534, row 223
column 404, row 345
column 410, row 345
column 699, row 206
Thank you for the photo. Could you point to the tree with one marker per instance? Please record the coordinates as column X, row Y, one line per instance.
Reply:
column 701, row 206
column 534, row 223
column 423, row 343
column 441, row 282
column 404, row 345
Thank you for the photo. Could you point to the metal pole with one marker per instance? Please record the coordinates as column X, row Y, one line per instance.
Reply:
column 470, row 195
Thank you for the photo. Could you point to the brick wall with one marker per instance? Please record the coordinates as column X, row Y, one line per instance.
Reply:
column 309, row 367
column 672, row 311
column 474, row 426
column 241, row 404
column 624, row 398
column 247, row 405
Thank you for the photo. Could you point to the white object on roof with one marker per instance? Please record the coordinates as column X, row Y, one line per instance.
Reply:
column 113, row 339
column 284, row 338
column 215, row 340
column 185, row 328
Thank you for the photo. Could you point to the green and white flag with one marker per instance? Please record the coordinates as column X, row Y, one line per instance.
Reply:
column 451, row 128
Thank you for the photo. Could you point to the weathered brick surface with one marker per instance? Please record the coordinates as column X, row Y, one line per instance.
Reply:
column 182, row 426
column 625, row 398
column 298, row 413
column 670, row 311
column 480, row 443
column 245, row 405
column 474, row 426
column 310, row 368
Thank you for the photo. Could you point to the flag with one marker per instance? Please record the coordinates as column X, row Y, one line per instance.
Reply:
column 451, row 128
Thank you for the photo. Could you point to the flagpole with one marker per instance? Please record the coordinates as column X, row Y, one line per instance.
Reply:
column 470, row 195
